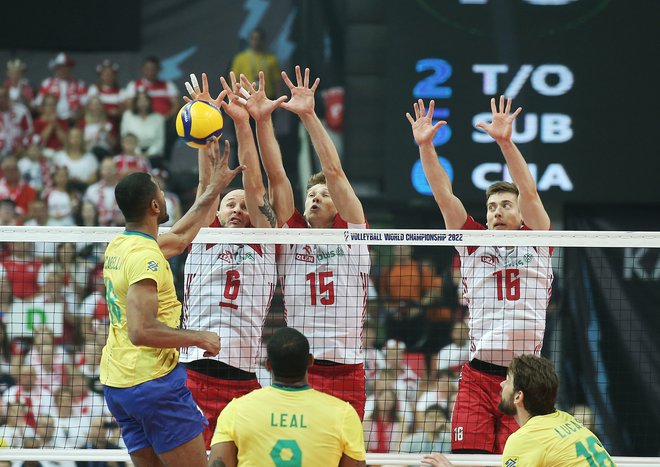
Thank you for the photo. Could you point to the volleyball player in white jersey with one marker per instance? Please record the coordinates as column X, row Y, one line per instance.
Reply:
column 324, row 286
column 507, row 288
column 228, row 287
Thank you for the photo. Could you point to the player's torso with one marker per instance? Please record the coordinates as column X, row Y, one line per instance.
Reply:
column 281, row 423
column 122, row 361
column 228, row 289
column 325, row 292
column 558, row 440
column 507, row 291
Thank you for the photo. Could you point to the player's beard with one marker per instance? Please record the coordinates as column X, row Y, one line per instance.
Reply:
column 506, row 406
column 164, row 216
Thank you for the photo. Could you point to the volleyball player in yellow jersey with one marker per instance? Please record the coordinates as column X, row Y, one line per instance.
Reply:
column 144, row 386
column 288, row 423
column 547, row 436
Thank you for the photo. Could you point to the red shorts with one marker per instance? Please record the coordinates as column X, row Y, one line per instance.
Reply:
column 345, row 382
column 476, row 422
column 213, row 394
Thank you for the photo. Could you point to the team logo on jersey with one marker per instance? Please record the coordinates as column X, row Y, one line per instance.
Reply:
column 511, row 461
column 490, row 259
column 528, row 257
column 152, row 266
column 307, row 257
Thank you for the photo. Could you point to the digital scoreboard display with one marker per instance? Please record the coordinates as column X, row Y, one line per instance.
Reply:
column 584, row 71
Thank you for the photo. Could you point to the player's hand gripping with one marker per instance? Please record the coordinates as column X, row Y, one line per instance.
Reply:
column 501, row 127
column 258, row 104
column 210, row 342
column 302, row 95
column 422, row 125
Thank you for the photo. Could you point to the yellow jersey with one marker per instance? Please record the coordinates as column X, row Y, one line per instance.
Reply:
column 281, row 426
column 556, row 439
column 130, row 258
column 250, row 62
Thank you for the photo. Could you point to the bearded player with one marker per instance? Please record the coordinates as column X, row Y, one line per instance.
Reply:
column 228, row 287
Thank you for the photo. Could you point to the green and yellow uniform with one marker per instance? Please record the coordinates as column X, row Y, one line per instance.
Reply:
column 556, row 439
column 130, row 258
column 291, row 427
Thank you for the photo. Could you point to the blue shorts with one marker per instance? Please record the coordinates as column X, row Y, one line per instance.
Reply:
column 160, row 413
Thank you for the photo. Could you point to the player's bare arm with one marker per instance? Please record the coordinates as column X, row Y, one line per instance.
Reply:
column 261, row 109
column 501, row 129
column 347, row 461
column 423, row 128
column 256, row 198
column 224, row 454
column 302, row 104
column 145, row 329
column 184, row 231
column 203, row 161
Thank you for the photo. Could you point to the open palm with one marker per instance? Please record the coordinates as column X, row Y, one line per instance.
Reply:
column 422, row 125
column 258, row 104
column 302, row 95
column 501, row 126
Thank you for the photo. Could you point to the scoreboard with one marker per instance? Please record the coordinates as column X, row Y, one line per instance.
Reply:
column 584, row 71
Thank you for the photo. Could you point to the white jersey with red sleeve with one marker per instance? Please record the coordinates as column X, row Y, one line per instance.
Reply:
column 507, row 290
column 228, row 290
column 325, row 293
column 71, row 95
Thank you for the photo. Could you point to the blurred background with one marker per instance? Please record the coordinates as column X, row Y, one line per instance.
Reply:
column 584, row 71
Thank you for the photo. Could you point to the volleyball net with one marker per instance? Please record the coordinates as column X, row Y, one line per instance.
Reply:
column 396, row 301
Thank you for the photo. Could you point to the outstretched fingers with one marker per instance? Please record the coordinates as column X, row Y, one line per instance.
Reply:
column 299, row 78
column 287, row 81
column 410, row 119
column 316, row 84
column 515, row 114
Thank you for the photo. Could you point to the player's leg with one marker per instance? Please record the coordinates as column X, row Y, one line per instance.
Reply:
column 191, row 453
column 473, row 424
column 205, row 391
column 145, row 457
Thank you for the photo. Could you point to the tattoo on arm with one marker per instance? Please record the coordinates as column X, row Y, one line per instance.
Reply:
column 217, row 463
column 267, row 210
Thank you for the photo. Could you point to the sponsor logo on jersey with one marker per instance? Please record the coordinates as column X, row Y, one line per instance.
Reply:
column 152, row 266
column 326, row 255
column 235, row 258
column 490, row 259
column 511, row 461
column 307, row 257
column 226, row 256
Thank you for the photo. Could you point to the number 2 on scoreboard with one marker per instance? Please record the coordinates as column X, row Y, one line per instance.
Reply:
column 326, row 288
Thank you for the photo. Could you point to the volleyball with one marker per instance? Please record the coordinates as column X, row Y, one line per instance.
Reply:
column 198, row 122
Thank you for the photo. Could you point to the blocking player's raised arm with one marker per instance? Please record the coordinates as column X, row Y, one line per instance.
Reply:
column 256, row 198
column 185, row 229
column 424, row 130
column 302, row 104
column 261, row 109
column 500, row 129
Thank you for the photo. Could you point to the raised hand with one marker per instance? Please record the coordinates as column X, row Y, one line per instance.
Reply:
column 235, row 104
column 204, row 94
column 258, row 104
column 436, row 460
column 422, row 125
column 501, row 127
column 302, row 95
column 221, row 174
